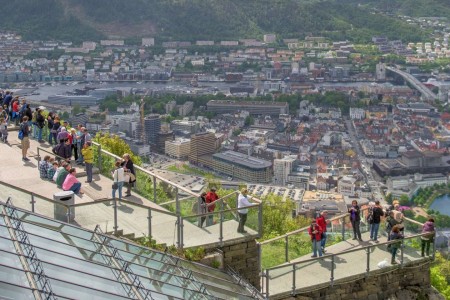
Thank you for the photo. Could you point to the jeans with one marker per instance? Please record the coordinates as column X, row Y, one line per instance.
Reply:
column 393, row 252
column 209, row 220
column 75, row 187
column 119, row 187
column 242, row 220
column 316, row 247
column 89, row 172
column 75, row 151
column 80, row 155
column 34, row 131
column 38, row 133
column 426, row 247
column 52, row 136
column 323, row 241
column 356, row 230
column 374, row 231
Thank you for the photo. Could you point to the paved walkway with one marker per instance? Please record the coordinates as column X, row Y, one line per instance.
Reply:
column 132, row 219
column 312, row 274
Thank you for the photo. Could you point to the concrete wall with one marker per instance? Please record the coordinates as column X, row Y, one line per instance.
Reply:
column 411, row 282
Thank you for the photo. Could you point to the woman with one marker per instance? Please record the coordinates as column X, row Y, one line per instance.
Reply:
column 128, row 167
column 355, row 219
column 428, row 227
column 395, row 235
column 202, row 208
column 315, row 232
column 73, row 142
column 118, row 179
column 71, row 182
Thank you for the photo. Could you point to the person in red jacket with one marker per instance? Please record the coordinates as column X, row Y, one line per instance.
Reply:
column 315, row 232
column 322, row 222
column 211, row 197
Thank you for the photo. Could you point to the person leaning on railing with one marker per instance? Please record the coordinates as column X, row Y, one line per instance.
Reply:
column 355, row 218
column 211, row 198
column 243, row 202
column 428, row 227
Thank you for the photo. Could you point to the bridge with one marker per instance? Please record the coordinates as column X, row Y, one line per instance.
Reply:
column 427, row 95
column 173, row 223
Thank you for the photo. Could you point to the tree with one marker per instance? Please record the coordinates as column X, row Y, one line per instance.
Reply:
column 76, row 109
column 249, row 120
column 404, row 200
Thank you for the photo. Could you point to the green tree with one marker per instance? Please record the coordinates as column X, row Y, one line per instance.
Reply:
column 404, row 200
column 249, row 120
column 76, row 109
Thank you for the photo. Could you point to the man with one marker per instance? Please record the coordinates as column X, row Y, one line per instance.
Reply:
column 25, row 140
column 243, row 202
column 7, row 99
column 377, row 213
column 80, row 143
column 40, row 123
column 62, row 174
column 211, row 197
column 87, row 136
column 315, row 232
column 322, row 222
column 88, row 155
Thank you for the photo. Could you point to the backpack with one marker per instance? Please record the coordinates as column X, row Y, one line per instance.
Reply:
column 369, row 217
column 20, row 136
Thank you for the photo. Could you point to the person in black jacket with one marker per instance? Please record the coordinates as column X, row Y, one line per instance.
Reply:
column 40, row 123
column 63, row 150
column 50, row 124
column 377, row 213
column 355, row 218
column 128, row 167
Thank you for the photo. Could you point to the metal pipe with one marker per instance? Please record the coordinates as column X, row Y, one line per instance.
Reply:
column 286, row 249
column 154, row 189
column 343, row 228
column 221, row 227
column 267, row 284
column 368, row 262
column 401, row 252
column 32, row 202
column 68, row 214
column 99, row 162
column 149, row 217
column 332, row 270
column 115, row 216
column 181, row 233
column 260, row 220
column 293, row 280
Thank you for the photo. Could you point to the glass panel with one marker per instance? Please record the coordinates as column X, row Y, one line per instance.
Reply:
column 50, row 209
column 132, row 219
column 19, row 199
column 10, row 260
column 8, row 291
column 13, row 276
column 89, row 216
column 65, row 289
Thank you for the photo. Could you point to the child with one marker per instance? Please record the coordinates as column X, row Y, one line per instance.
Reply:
column 395, row 235
column 4, row 130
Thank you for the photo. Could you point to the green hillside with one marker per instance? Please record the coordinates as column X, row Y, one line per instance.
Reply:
column 199, row 19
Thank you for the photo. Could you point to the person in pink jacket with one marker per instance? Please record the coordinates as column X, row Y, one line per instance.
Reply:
column 71, row 182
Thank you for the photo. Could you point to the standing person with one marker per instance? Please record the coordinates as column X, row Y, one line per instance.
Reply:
column 355, row 218
column 88, row 155
column 394, row 217
column 395, row 235
column 73, row 139
column 4, row 130
column 243, row 202
column 15, row 110
column 202, row 209
column 211, row 197
column 128, row 167
column 118, row 178
column 80, row 143
column 40, row 123
column 50, row 123
column 377, row 213
column 55, row 128
column 71, row 182
column 7, row 99
column 315, row 232
column 62, row 135
column 323, row 222
column 87, row 136
column 428, row 227
column 25, row 128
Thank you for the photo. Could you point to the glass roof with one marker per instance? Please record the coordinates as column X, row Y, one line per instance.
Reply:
column 82, row 264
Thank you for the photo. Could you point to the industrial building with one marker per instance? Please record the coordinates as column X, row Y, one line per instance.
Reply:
column 253, row 107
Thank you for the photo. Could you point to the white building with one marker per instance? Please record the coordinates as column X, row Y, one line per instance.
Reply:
column 270, row 38
column 186, row 108
column 178, row 148
column 148, row 42
column 346, row 186
column 282, row 168
column 357, row 113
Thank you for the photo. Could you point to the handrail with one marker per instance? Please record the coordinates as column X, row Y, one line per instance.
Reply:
column 347, row 251
column 150, row 173
column 218, row 212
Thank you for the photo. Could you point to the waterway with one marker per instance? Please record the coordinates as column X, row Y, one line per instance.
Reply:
column 442, row 204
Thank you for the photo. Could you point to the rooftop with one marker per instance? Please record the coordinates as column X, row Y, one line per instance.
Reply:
column 243, row 159
column 247, row 103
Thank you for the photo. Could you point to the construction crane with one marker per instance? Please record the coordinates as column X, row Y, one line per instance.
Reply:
column 142, row 117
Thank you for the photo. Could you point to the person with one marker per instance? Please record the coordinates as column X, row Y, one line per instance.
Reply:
column 44, row 166
column 71, row 182
column 394, row 217
column 428, row 227
column 87, row 136
column 61, row 174
column 7, row 99
column 51, row 171
column 62, row 135
column 25, row 140
column 63, row 150
column 202, row 208
column 128, row 167
column 395, row 235
column 377, row 213
column 323, row 222
column 50, row 124
column 73, row 143
column 211, row 197
column 4, row 130
column 355, row 218
column 243, row 202
column 15, row 110
column 119, row 178
column 315, row 232
column 54, row 130
column 79, row 136
column 40, row 123
column 88, row 155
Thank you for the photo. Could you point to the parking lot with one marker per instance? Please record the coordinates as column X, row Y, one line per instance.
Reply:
column 295, row 194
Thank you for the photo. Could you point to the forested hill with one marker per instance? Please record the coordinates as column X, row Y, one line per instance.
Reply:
column 201, row 19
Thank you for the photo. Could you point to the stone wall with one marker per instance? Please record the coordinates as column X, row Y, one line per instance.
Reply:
column 411, row 282
column 243, row 257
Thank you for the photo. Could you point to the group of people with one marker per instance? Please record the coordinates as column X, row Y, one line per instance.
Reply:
column 123, row 173
column 60, row 172
column 318, row 233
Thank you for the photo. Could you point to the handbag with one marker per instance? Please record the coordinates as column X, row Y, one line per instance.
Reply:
column 115, row 185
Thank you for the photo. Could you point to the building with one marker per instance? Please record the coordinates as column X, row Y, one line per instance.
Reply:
column 186, row 108
column 381, row 71
column 152, row 126
column 163, row 137
column 70, row 100
column 346, row 186
column 148, row 42
column 178, row 148
column 170, row 106
column 282, row 168
column 243, row 167
column 253, row 107
column 270, row 38
column 179, row 126
column 357, row 113
column 202, row 144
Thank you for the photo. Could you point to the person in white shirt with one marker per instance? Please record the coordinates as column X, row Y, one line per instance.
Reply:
column 119, row 178
column 243, row 202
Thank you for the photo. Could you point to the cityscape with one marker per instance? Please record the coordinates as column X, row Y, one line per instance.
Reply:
column 306, row 126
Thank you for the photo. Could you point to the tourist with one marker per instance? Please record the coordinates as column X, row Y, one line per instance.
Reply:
column 61, row 174
column 211, row 198
column 15, row 111
column 377, row 213
column 315, row 232
column 395, row 235
column 54, row 130
column 355, row 219
column 25, row 142
column 429, row 228
column 50, row 124
column 4, row 130
column 52, row 171
column 7, row 99
column 88, row 155
column 118, row 180
column 63, row 150
column 80, row 139
column 71, row 182
column 62, row 135
column 394, row 217
column 130, row 176
column 40, row 123
column 243, row 202
column 73, row 143
column 323, row 222
column 43, row 167
column 87, row 136
column 202, row 208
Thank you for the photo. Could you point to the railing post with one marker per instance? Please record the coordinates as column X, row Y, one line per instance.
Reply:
column 99, row 161
column 178, row 231
column 68, row 214
column 32, row 201
column 332, row 270
column 286, row 250
column 368, row 262
column 177, row 202
column 149, row 217
column 293, row 280
column 115, row 216
column 401, row 252
column 267, row 284
column 259, row 249
column 221, row 227
column 181, row 233
column 260, row 220
column 343, row 228
column 154, row 189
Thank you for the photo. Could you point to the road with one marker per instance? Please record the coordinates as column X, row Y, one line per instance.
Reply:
column 426, row 93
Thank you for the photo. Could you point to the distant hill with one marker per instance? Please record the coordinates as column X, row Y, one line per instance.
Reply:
column 201, row 19
column 413, row 8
